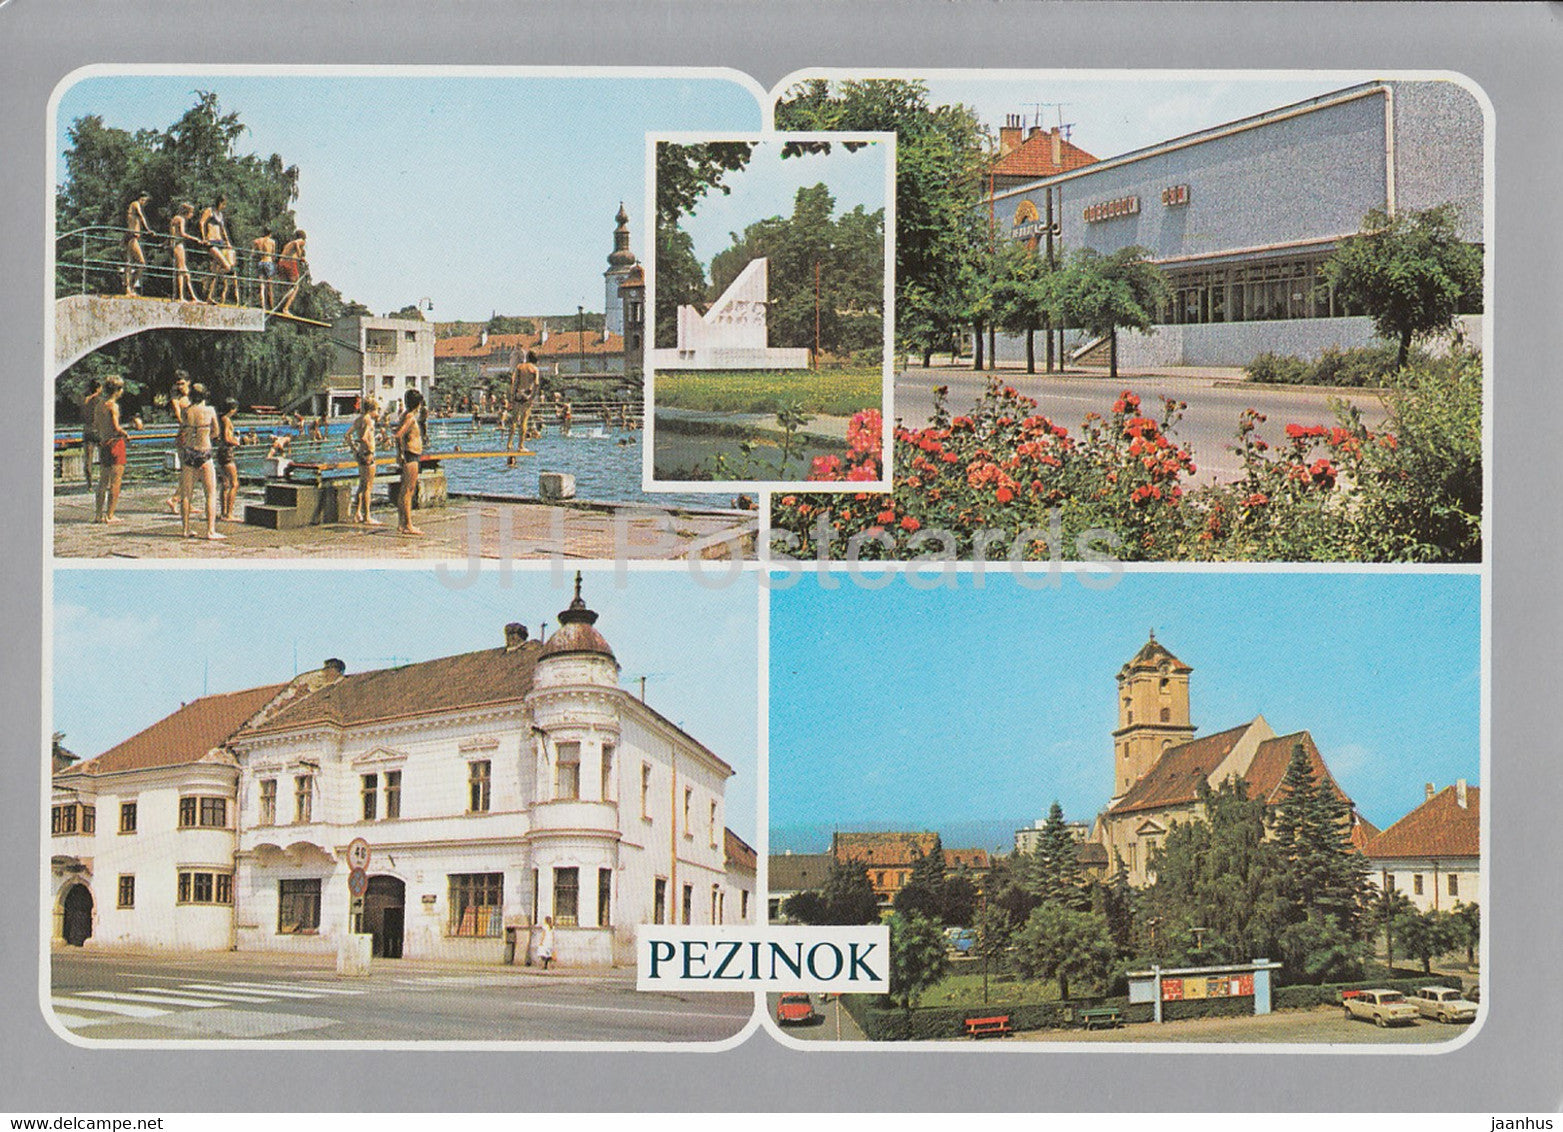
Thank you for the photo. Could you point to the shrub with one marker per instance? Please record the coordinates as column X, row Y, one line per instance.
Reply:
column 1277, row 369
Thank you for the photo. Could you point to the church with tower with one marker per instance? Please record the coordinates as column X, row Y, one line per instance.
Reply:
column 1160, row 763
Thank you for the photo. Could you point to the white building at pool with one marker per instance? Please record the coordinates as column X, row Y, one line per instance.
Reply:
column 494, row 788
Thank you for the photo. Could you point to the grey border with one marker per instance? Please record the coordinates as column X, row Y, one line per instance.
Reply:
column 1515, row 1064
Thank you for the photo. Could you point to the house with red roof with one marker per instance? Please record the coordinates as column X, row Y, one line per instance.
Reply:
column 496, row 789
column 1433, row 854
column 1160, row 767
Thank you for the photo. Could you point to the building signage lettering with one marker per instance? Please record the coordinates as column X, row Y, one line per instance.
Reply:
column 1174, row 195
column 790, row 958
column 1112, row 209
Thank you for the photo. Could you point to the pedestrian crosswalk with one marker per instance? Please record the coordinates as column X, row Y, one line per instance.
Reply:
column 80, row 1008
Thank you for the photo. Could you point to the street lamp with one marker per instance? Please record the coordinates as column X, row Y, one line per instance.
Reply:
column 580, row 338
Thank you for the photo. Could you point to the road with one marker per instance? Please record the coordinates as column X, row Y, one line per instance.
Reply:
column 833, row 1025
column 227, row 996
column 1208, row 427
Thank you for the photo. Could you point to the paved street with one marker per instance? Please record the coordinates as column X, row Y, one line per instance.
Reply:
column 833, row 1025
column 227, row 996
column 1209, row 424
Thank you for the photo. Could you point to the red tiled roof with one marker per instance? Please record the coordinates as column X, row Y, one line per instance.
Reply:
column 1439, row 827
column 882, row 848
column 1362, row 833
column 1173, row 780
column 186, row 736
column 1092, row 854
column 560, row 344
column 1033, row 158
column 966, row 859
column 739, row 852
column 488, row 676
column 1268, row 769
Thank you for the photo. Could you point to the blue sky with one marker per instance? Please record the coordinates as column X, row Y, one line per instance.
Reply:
column 927, row 709
column 480, row 193
column 132, row 645
column 1113, row 115
column 767, row 185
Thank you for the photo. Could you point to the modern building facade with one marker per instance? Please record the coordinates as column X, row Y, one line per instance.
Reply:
column 495, row 788
column 383, row 356
column 1240, row 217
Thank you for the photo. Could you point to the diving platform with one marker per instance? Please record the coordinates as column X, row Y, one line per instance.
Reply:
column 83, row 323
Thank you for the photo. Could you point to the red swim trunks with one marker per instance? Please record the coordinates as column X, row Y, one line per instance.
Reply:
column 114, row 453
column 288, row 269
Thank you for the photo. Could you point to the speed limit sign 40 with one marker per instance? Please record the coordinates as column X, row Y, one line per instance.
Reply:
column 358, row 853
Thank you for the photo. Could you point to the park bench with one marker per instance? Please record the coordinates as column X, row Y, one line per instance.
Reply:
column 996, row 1026
column 1110, row 1017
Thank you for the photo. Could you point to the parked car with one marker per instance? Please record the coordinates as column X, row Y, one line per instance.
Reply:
column 959, row 942
column 1381, row 1007
column 1444, row 1003
column 795, row 1009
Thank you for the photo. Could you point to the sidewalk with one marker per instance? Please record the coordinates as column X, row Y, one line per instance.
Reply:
column 500, row 528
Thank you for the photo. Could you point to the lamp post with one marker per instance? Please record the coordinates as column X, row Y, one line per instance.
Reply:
column 580, row 339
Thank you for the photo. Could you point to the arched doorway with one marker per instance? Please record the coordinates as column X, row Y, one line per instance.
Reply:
column 385, row 910
column 77, row 926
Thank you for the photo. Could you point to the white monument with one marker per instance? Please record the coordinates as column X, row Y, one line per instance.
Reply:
column 731, row 335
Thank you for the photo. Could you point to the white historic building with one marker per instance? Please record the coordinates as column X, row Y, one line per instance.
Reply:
column 495, row 788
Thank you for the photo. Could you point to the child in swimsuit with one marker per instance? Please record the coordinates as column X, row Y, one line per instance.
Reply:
column 227, row 466
column 361, row 439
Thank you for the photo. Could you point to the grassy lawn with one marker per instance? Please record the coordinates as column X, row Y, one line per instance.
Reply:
column 828, row 392
column 965, row 989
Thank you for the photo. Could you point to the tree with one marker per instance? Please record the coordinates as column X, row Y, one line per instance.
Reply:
column 921, row 894
column 1427, row 935
column 1388, row 907
column 1057, row 874
column 1322, row 875
column 994, row 932
column 1058, row 943
column 510, row 324
column 685, row 174
column 1022, row 294
column 1220, row 875
column 958, row 900
column 917, row 957
column 849, row 897
column 806, row 907
column 1007, row 889
column 1468, row 918
column 1105, row 294
column 1410, row 272
column 411, row 310
column 940, row 162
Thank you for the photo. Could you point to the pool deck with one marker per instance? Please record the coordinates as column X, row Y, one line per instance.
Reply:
column 535, row 531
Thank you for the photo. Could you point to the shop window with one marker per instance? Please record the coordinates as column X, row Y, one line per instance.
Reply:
column 127, row 817
column 268, row 801
column 127, row 890
column 393, row 794
column 567, row 771
column 203, row 886
column 478, row 787
column 298, row 906
column 475, row 903
column 369, row 795
column 303, row 798
column 567, row 897
column 604, row 897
